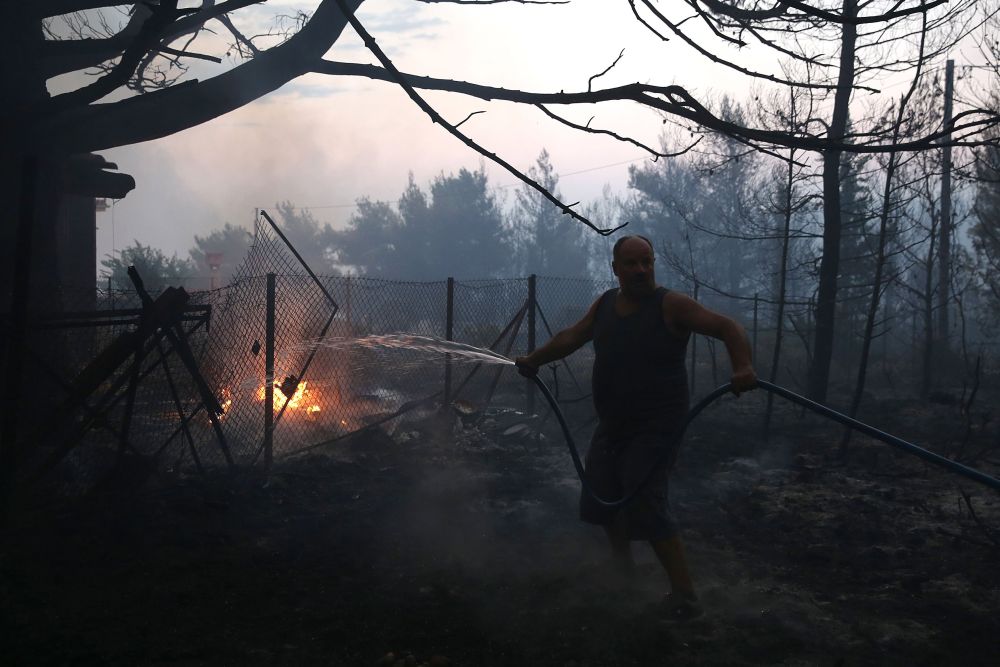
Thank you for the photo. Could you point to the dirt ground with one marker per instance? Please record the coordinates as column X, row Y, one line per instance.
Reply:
column 451, row 543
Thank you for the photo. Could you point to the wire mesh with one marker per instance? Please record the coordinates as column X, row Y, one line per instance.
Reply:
column 328, row 382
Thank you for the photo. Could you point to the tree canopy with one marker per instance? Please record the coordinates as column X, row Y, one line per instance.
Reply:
column 839, row 53
column 228, row 244
column 457, row 229
column 156, row 269
column 545, row 241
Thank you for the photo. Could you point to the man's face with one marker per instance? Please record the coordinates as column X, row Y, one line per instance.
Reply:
column 634, row 268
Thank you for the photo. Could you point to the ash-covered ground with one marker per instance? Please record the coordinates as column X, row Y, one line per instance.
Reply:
column 449, row 542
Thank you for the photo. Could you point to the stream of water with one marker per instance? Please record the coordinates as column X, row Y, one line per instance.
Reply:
column 427, row 345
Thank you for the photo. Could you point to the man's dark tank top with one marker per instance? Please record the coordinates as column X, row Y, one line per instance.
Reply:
column 639, row 379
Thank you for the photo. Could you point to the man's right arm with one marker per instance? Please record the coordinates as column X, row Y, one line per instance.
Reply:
column 564, row 343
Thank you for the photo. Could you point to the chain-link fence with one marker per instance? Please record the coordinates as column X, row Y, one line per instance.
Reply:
column 152, row 407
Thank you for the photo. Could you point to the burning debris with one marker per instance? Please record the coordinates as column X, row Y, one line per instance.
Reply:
column 297, row 394
column 225, row 400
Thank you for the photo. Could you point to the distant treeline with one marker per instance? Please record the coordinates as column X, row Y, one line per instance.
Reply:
column 724, row 221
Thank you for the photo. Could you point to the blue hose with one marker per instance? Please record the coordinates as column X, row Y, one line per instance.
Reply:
column 899, row 443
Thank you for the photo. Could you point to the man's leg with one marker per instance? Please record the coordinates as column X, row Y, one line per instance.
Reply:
column 621, row 547
column 670, row 551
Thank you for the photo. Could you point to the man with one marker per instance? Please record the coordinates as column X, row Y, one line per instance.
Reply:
column 640, row 333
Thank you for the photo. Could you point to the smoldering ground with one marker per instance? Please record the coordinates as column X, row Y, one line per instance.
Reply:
column 447, row 538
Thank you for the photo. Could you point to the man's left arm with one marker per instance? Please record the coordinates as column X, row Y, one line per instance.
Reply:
column 682, row 313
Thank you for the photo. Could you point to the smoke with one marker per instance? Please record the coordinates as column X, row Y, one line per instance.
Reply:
column 493, row 526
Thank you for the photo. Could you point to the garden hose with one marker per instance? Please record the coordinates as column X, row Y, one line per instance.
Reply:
column 899, row 443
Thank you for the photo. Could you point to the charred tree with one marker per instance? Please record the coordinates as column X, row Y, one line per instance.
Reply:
column 139, row 93
column 944, row 245
column 829, row 268
column 786, row 209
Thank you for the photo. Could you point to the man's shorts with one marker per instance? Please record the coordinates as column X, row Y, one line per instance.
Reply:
column 617, row 465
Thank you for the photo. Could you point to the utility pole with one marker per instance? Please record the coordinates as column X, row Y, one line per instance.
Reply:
column 944, row 246
column 532, row 307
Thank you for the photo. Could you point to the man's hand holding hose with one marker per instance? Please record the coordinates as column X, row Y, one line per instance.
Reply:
column 743, row 379
column 562, row 344
column 525, row 367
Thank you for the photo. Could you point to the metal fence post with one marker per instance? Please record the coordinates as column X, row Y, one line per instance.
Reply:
column 694, row 363
column 532, row 307
column 449, row 334
column 756, row 299
column 350, row 321
column 810, row 318
column 269, row 374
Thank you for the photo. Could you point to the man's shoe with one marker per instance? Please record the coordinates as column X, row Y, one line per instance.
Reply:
column 679, row 609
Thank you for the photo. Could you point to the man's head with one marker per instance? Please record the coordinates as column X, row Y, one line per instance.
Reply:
column 632, row 262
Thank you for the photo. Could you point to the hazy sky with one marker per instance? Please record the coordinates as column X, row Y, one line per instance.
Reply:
column 323, row 142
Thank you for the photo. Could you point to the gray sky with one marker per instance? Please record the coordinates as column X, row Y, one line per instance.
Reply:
column 323, row 142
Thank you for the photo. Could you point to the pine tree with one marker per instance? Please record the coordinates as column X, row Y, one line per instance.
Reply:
column 546, row 242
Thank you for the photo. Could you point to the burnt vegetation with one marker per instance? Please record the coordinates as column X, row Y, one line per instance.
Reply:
column 847, row 211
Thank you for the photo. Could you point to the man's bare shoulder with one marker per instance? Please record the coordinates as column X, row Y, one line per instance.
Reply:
column 675, row 306
column 585, row 327
column 592, row 311
column 673, row 300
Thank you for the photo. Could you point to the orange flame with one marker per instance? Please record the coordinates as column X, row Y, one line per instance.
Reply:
column 302, row 397
column 226, row 401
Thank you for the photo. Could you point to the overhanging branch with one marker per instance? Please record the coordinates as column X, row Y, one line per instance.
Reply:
column 586, row 128
column 43, row 10
column 400, row 79
column 70, row 55
column 165, row 112
column 781, row 8
column 495, row 2
column 674, row 28
column 675, row 101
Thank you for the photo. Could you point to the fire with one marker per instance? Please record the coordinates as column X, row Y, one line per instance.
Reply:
column 303, row 397
column 226, row 401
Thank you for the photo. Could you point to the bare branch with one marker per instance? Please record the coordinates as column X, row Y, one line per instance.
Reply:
column 70, row 55
column 188, row 54
column 239, row 36
column 586, row 128
column 400, row 79
column 162, row 16
column 59, row 56
column 44, row 10
column 713, row 26
column 676, row 101
column 590, row 81
column 781, row 7
column 113, row 124
column 740, row 14
column 495, row 2
column 462, row 122
column 722, row 61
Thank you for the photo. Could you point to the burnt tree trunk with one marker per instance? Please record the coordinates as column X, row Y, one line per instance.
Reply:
column 819, row 370
column 782, row 286
column 945, row 229
column 866, row 340
column 928, row 315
